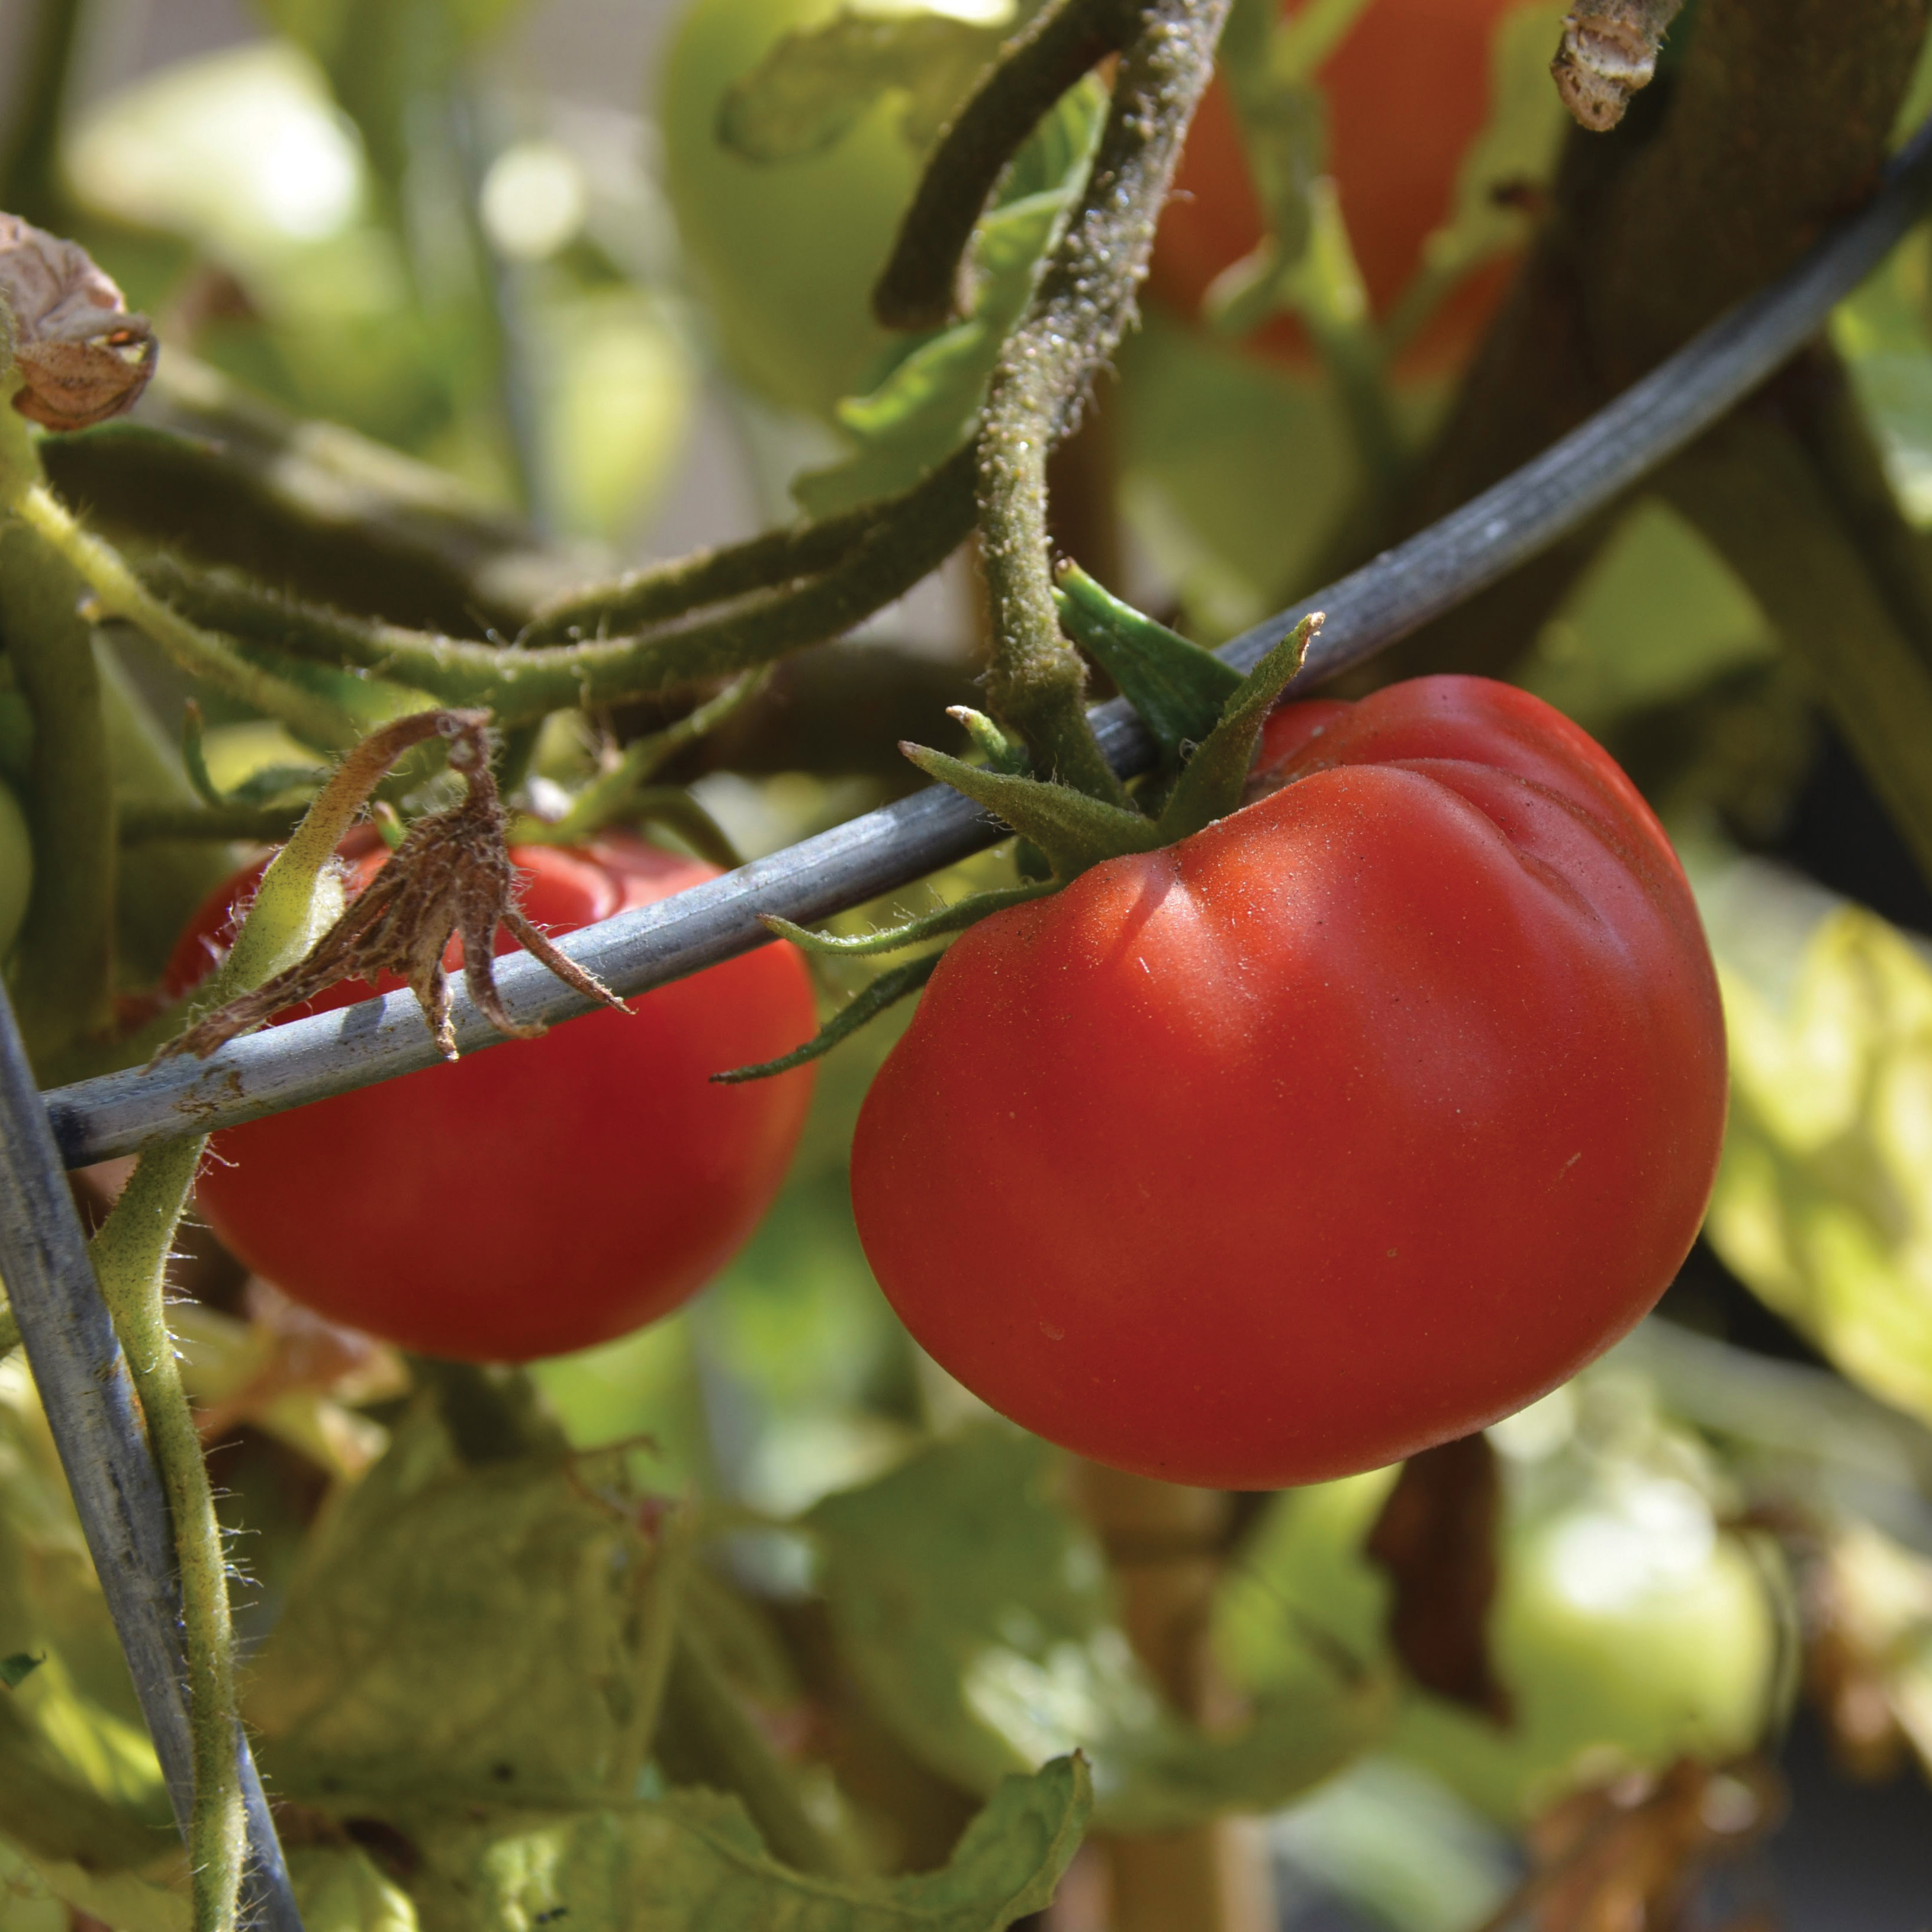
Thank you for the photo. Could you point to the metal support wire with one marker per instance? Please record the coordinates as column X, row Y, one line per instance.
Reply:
column 376, row 1039
column 84, row 1385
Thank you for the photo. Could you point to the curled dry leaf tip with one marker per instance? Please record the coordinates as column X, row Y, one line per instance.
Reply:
column 82, row 357
column 1608, row 51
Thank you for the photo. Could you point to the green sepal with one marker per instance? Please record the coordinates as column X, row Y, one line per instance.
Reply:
column 16, row 1670
column 1002, row 753
column 954, row 918
column 1178, row 688
column 194, row 760
column 887, row 990
column 1211, row 783
column 1073, row 830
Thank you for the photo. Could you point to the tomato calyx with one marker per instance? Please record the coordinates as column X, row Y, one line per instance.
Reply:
column 1207, row 718
column 451, row 876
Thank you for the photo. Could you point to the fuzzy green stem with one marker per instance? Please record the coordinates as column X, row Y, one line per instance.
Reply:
column 919, row 288
column 131, row 1257
column 666, row 590
column 1085, row 303
column 914, row 537
column 63, row 986
column 120, row 593
column 610, row 796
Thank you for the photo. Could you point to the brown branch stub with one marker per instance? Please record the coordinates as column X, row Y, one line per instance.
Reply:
column 1436, row 1538
column 452, row 876
column 82, row 357
column 1608, row 52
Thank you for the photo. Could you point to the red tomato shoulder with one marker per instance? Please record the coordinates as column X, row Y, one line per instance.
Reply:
column 543, row 1196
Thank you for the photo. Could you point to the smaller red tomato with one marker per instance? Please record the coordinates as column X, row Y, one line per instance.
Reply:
column 547, row 1194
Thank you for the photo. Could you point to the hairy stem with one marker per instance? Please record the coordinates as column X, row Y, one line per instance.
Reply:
column 64, row 984
column 914, row 537
column 120, row 593
column 1085, row 303
column 920, row 286
column 666, row 590
column 130, row 1256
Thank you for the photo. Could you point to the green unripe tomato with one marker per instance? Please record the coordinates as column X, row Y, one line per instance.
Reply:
column 17, row 869
column 787, row 250
column 1629, row 1630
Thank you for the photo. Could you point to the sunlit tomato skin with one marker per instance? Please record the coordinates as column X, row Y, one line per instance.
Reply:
column 1407, row 90
column 543, row 1196
column 1346, row 1126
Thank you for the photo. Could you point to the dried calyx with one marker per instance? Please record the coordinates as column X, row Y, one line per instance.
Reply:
column 82, row 357
column 452, row 877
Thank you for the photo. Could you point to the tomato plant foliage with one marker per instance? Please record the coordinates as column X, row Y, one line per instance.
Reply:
column 1342, row 1128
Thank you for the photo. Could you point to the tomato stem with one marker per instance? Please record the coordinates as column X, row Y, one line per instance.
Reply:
column 1040, row 387
column 130, row 1255
column 919, row 287
column 902, row 540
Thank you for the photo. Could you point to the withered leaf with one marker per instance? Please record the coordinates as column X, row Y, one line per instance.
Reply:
column 452, row 876
column 1436, row 1537
column 83, row 356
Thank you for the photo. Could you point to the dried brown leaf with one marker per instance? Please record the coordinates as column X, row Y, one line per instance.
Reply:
column 1436, row 1537
column 83, row 356
column 452, row 876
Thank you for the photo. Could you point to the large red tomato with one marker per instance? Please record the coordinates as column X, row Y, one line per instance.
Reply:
column 1408, row 90
column 1346, row 1126
column 545, row 1194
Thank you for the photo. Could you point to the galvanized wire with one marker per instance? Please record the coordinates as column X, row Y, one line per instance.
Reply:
column 84, row 1386
column 308, row 1059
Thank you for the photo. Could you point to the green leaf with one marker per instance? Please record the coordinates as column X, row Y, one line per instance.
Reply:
column 1212, row 781
column 1178, row 689
column 694, row 1864
column 1234, row 469
column 974, row 1609
column 460, row 1634
column 338, row 1890
column 1073, row 830
column 929, row 403
column 78, row 1784
column 1823, row 1203
column 817, row 82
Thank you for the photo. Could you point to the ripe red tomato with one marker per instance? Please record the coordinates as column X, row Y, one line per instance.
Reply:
column 1407, row 89
column 1347, row 1126
column 546, row 1195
